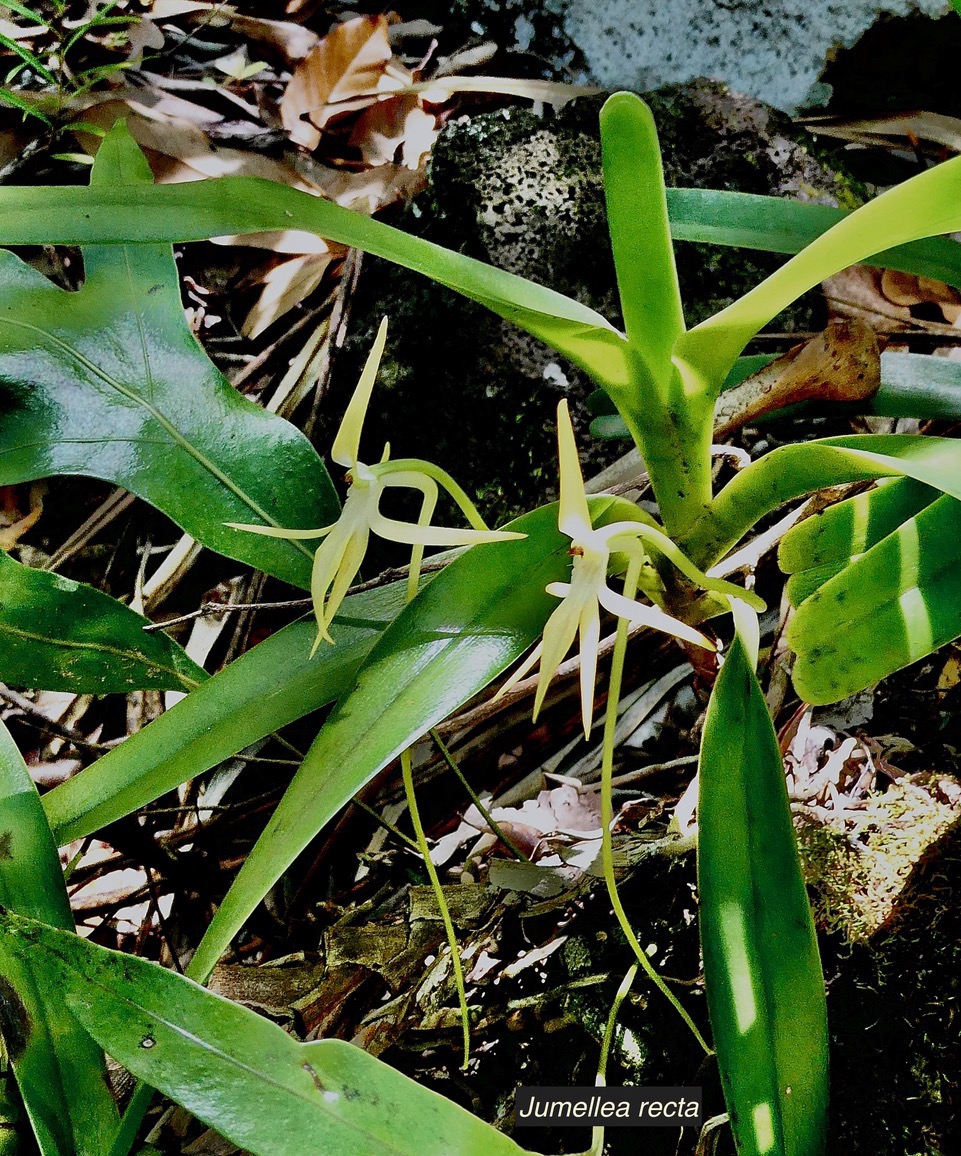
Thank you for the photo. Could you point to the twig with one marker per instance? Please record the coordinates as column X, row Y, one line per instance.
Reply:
column 37, row 718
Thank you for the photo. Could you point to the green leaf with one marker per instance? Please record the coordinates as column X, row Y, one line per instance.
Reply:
column 823, row 545
column 60, row 1071
column 762, row 973
column 110, row 382
column 473, row 620
column 890, row 607
column 202, row 209
column 64, row 635
column 780, row 225
column 238, row 1072
column 924, row 206
column 640, row 233
column 272, row 685
column 792, row 471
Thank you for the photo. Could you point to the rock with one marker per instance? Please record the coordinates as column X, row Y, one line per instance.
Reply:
column 524, row 192
column 775, row 52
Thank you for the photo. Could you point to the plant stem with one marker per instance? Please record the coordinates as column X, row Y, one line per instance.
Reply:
column 406, row 771
column 485, row 813
column 607, row 810
column 597, row 1144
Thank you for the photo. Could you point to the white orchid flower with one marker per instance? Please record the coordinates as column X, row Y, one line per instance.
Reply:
column 339, row 557
column 582, row 598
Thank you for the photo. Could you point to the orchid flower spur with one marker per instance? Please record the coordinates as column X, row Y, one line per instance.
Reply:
column 340, row 555
column 582, row 598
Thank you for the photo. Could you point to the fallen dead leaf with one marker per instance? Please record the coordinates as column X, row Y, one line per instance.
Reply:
column 352, row 62
column 284, row 287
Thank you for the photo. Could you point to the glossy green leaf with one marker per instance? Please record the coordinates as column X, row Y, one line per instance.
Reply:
column 272, row 685
column 925, row 206
column 110, row 382
column 64, row 635
column 640, row 233
column 762, row 973
column 890, row 607
column 473, row 620
column 780, row 225
column 238, row 1072
column 823, row 545
column 60, row 1070
column 795, row 470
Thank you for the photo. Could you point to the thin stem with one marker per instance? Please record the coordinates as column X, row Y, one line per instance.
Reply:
column 597, row 1136
column 485, row 814
column 607, row 809
column 407, row 772
column 389, row 827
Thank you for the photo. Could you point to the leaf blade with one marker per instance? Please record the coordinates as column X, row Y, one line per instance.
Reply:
column 60, row 1071
column 272, row 685
column 63, row 635
column 762, row 971
column 240, row 1073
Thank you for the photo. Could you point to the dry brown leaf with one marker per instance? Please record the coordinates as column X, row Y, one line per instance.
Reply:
column 285, row 286
column 439, row 91
column 890, row 299
column 395, row 128
column 13, row 523
column 374, row 189
column 352, row 62
column 944, row 131
column 841, row 364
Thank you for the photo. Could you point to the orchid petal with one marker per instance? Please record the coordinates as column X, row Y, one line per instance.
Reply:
column 621, row 533
column 328, row 561
column 559, row 634
column 590, row 641
column 403, row 467
column 525, row 667
column 428, row 487
column 558, row 589
column 573, row 517
column 414, row 535
column 280, row 532
column 651, row 616
column 346, row 447
column 351, row 560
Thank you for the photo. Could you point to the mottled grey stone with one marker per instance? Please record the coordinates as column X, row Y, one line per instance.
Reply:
column 774, row 49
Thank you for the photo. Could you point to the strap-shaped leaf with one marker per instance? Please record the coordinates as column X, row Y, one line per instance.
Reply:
column 762, row 973
column 924, row 206
column 60, row 1070
column 780, row 225
column 64, row 635
column 238, row 1072
column 272, row 685
column 110, row 382
column 890, row 607
column 473, row 620
column 640, row 233
column 823, row 545
column 792, row 471
column 198, row 210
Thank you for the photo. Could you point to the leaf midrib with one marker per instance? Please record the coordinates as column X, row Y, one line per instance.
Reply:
column 168, row 426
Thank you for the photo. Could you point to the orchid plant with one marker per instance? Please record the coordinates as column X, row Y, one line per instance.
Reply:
column 872, row 580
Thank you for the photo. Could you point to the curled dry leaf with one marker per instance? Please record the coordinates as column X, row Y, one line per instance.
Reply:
column 351, row 64
column 893, row 301
column 841, row 364
column 397, row 128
